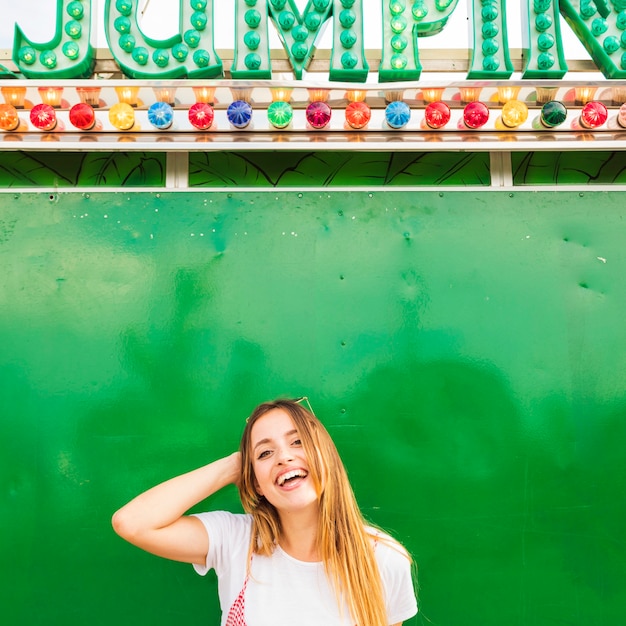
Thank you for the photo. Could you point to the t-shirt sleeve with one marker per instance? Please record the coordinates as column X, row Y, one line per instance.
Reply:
column 229, row 538
column 395, row 571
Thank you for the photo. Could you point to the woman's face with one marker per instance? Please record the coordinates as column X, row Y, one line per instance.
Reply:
column 280, row 465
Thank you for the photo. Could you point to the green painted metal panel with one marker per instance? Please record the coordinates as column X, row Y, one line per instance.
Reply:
column 568, row 168
column 466, row 349
column 282, row 168
column 82, row 169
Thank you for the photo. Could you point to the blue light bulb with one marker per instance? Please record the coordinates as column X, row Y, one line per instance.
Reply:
column 239, row 113
column 397, row 114
column 161, row 115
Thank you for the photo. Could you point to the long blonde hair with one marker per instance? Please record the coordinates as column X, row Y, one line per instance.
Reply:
column 344, row 543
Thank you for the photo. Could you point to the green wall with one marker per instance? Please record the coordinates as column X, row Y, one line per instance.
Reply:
column 466, row 349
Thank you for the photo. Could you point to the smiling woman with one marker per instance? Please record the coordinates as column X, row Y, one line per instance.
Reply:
column 302, row 553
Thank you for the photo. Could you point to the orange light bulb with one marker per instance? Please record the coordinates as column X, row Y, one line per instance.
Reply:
column 9, row 119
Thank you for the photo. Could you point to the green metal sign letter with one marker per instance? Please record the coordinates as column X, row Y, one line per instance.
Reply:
column 543, row 47
column 68, row 54
column 402, row 25
column 490, row 55
column 298, row 33
column 602, row 30
column 190, row 53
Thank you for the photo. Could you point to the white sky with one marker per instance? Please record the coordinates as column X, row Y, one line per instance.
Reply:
column 161, row 19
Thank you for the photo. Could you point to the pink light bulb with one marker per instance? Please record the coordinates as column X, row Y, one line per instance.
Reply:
column 593, row 115
column 475, row 115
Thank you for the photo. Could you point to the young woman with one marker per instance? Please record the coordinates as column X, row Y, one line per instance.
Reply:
column 302, row 554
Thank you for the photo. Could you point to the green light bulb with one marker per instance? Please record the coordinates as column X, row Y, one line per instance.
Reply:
column 180, row 51
column 198, row 20
column 27, row 55
column 192, row 38
column 396, row 7
column 140, row 55
column 280, row 114
column 419, row 10
column 71, row 50
column 201, row 58
column 48, row 59
column 73, row 29
column 398, row 62
column 125, row 7
column 398, row 24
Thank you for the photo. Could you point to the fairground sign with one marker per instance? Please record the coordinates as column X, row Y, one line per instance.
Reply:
column 599, row 24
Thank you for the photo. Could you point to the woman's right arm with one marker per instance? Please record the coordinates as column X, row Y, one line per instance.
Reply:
column 156, row 522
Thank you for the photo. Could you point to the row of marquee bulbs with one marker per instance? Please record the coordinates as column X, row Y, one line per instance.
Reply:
column 318, row 113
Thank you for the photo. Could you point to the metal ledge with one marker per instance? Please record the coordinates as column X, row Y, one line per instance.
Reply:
column 470, row 141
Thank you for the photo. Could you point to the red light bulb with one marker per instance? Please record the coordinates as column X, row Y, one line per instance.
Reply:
column 437, row 114
column 201, row 115
column 82, row 116
column 475, row 115
column 593, row 114
column 358, row 115
column 318, row 114
column 43, row 117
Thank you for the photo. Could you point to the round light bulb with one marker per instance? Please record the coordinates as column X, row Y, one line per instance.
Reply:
column 514, row 113
column 161, row 115
column 318, row 114
column 201, row 115
column 122, row 116
column 397, row 114
column 553, row 114
column 358, row 114
column 82, row 116
column 593, row 115
column 239, row 113
column 43, row 117
column 9, row 119
column 437, row 114
column 475, row 115
column 280, row 114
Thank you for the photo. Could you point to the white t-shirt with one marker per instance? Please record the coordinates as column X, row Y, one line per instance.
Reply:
column 283, row 591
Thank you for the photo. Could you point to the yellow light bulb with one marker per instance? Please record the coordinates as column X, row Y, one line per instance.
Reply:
column 122, row 116
column 514, row 113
